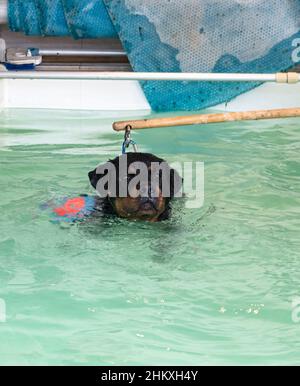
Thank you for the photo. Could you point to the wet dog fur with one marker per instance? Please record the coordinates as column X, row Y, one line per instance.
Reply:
column 152, row 207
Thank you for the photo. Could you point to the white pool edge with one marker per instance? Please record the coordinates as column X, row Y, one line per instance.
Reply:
column 115, row 95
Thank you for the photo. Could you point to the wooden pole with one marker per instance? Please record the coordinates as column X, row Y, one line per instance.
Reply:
column 203, row 119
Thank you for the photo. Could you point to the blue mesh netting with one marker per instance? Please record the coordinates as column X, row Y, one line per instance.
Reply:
column 78, row 18
column 178, row 35
column 205, row 36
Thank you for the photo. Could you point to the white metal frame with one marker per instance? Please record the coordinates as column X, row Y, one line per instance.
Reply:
column 148, row 76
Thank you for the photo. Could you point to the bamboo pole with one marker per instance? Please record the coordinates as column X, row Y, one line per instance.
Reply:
column 203, row 119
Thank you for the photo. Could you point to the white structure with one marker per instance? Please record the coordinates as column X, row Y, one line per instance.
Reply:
column 17, row 90
column 123, row 93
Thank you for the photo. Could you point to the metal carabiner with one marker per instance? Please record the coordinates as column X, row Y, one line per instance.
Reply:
column 128, row 141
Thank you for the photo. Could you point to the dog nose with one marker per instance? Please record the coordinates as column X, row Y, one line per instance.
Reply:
column 147, row 195
column 145, row 200
column 148, row 203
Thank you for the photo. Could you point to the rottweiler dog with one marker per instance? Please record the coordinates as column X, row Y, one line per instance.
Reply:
column 148, row 186
column 134, row 186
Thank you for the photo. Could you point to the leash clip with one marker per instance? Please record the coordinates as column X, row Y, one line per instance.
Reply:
column 128, row 141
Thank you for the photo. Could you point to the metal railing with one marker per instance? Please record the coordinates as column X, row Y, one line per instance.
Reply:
column 154, row 76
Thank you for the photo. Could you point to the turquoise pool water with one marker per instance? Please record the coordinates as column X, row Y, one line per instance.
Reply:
column 213, row 285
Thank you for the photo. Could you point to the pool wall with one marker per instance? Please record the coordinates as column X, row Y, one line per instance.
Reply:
column 108, row 95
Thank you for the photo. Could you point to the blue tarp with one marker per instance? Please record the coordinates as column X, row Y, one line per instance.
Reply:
column 177, row 35
column 77, row 18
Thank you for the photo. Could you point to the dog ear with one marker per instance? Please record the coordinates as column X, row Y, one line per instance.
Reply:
column 98, row 173
column 94, row 178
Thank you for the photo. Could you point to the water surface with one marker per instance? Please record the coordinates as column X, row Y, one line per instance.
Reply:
column 212, row 285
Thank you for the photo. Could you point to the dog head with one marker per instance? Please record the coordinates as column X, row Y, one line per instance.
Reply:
column 139, row 186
